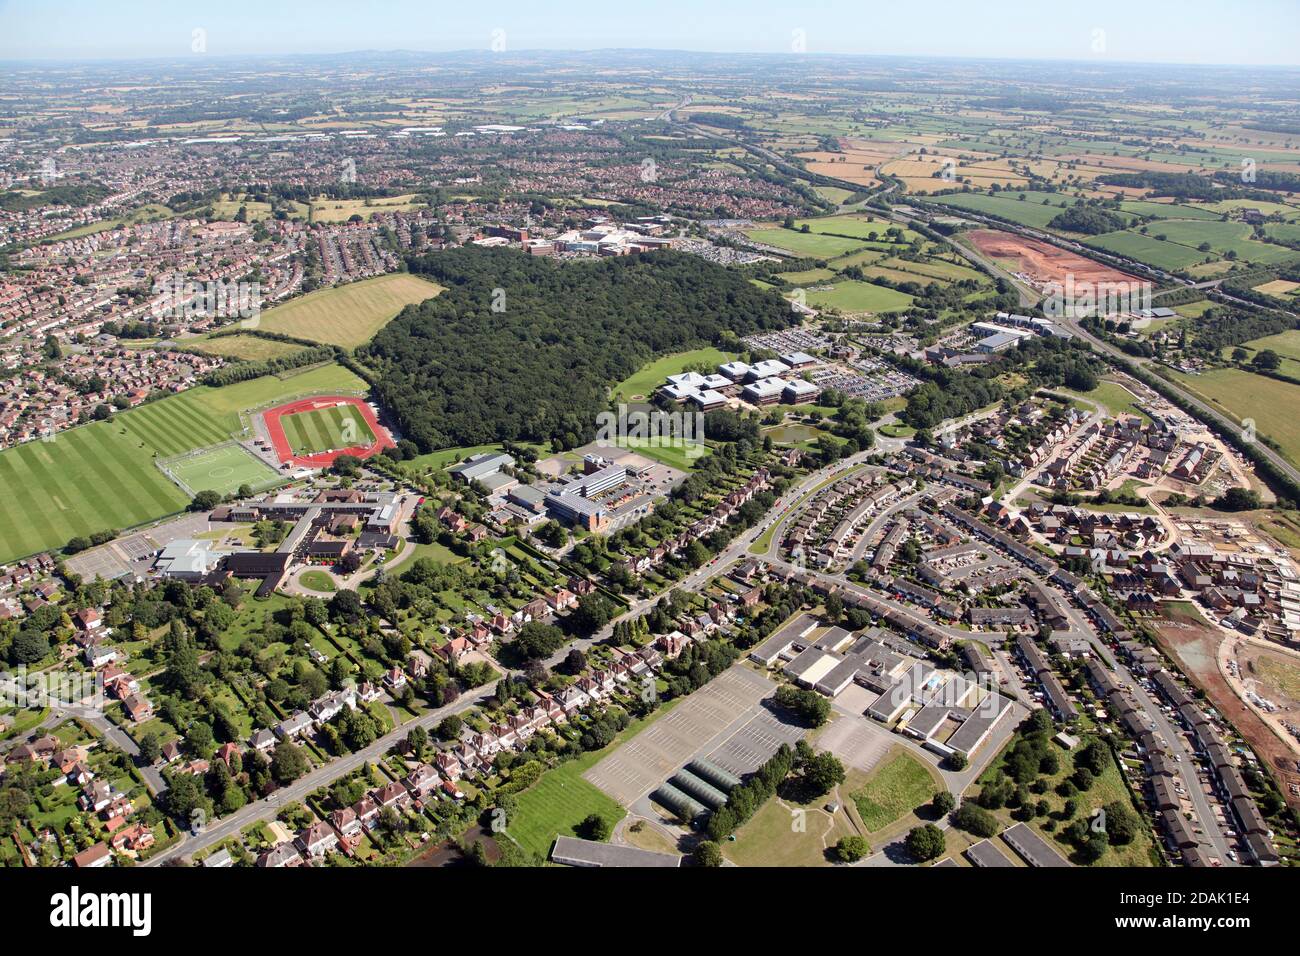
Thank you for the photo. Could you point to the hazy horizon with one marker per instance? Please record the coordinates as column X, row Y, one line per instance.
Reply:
column 1250, row 33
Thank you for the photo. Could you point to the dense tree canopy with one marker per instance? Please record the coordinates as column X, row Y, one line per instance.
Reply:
column 525, row 349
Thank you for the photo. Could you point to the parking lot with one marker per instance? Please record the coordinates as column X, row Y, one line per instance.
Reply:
column 715, row 711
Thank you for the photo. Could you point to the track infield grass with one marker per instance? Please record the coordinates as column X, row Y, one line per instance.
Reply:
column 325, row 429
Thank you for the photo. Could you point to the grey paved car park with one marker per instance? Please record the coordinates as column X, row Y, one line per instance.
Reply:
column 653, row 755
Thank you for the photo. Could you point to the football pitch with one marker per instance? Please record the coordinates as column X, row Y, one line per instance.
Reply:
column 325, row 429
column 223, row 469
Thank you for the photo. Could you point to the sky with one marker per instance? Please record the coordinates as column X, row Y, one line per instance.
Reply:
column 1242, row 32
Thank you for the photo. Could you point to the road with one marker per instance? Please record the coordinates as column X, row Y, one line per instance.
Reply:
column 1215, row 417
column 268, row 807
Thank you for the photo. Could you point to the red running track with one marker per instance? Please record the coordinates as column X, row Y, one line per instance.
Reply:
column 275, row 429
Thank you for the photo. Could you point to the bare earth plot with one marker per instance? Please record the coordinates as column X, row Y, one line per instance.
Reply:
column 645, row 761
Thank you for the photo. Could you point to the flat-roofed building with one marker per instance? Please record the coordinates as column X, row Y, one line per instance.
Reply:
column 479, row 466
column 1032, row 848
column 571, row 851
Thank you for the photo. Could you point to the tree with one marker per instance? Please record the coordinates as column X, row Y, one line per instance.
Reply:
column 973, row 818
column 810, row 706
column 537, row 640
column 1121, row 823
column 346, row 607
column 708, row 853
column 205, row 500
column 850, row 849
column 29, row 647
column 150, row 748
column 288, row 762
column 1267, row 359
column 450, row 727
column 925, row 842
column 1238, row 499
column 943, row 803
column 593, row 612
column 595, row 827
column 822, row 772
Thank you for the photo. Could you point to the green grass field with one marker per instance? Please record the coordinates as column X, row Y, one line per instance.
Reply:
column 87, row 479
column 1163, row 210
column 223, row 469
column 319, row 581
column 895, row 788
column 672, row 452
column 325, row 429
column 562, row 799
column 854, row 296
column 247, row 347
column 1117, row 399
column 1178, row 249
column 1030, row 212
column 857, row 227
column 641, row 385
column 1271, row 403
column 348, row 315
column 804, row 243
column 1147, row 249
column 104, row 476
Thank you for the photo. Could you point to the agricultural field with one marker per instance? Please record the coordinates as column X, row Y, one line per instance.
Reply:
column 1024, row 212
column 348, row 315
column 809, row 244
column 1147, row 249
column 250, row 348
column 325, row 429
column 1223, row 237
column 1270, row 402
column 103, row 475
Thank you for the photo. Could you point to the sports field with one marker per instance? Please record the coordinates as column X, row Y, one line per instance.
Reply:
column 223, row 469
column 105, row 476
column 325, row 429
column 348, row 315
column 87, row 479
column 854, row 296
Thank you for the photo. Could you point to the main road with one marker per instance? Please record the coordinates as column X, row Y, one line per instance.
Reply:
column 267, row 807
